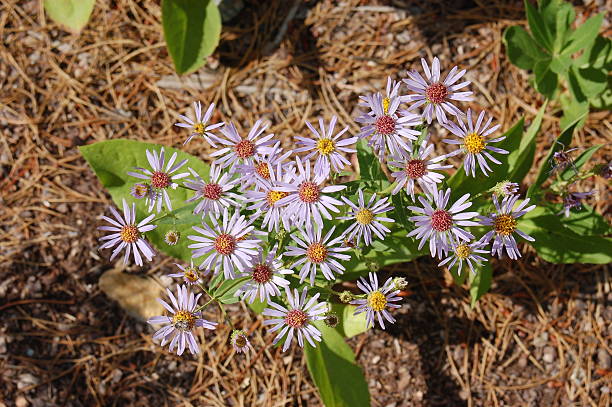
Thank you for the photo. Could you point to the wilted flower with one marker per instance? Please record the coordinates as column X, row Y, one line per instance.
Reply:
column 127, row 234
column 378, row 300
column 140, row 191
column 198, row 126
column 473, row 143
column 160, row 179
column 465, row 252
column 327, row 147
column 240, row 341
column 605, row 170
column 434, row 94
column 346, row 296
column 439, row 225
column 573, row 200
column 172, row 237
column 562, row 160
column 400, row 283
column 316, row 252
column 504, row 225
column 214, row 195
column 180, row 326
column 190, row 274
column 266, row 277
column 297, row 319
column 242, row 150
column 367, row 218
column 505, row 188
column 331, row 319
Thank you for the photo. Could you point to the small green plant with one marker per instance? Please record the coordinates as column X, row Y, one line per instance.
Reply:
column 191, row 27
column 569, row 65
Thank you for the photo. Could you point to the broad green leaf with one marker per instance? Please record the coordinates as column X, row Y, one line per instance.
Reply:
column 400, row 213
column 349, row 324
column 558, row 244
column 112, row 159
column 560, row 64
column 545, row 169
column 604, row 101
column 584, row 35
column 369, row 165
column 585, row 221
column 72, row 14
column 564, row 18
column 480, row 283
column 579, row 162
column 331, row 364
column 521, row 48
column 574, row 112
column 598, row 56
column 191, row 29
column 538, row 26
column 226, row 293
column 521, row 162
column 591, row 81
column 461, row 183
column 545, row 79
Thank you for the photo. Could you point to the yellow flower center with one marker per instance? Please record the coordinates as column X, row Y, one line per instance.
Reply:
column 377, row 301
column 184, row 320
column 504, row 224
column 463, row 251
column 275, row 196
column 364, row 216
column 316, row 253
column 325, row 146
column 129, row 234
column 474, row 143
column 198, row 128
column 386, row 102
column 191, row 274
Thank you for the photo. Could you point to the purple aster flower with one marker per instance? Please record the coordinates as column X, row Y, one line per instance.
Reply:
column 367, row 219
column 266, row 277
column 574, row 200
column 198, row 126
column 473, row 143
column 259, row 171
column 242, row 150
column 160, row 179
column 378, row 300
column 297, row 319
column 434, row 94
column 439, row 225
column 316, row 252
column 179, row 327
column 465, row 252
column 563, row 159
column 214, row 195
column 418, row 169
column 240, row 341
column 266, row 200
column 387, row 129
column 127, row 234
column 504, row 225
column 190, row 274
column 306, row 199
column 226, row 245
column 327, row 147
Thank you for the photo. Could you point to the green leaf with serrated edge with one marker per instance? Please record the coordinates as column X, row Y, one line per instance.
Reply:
column 520, row 163
column 460, row 183
column 546, row 80
column 521, row 49
column 72, row 14
column 584, row 221
column 349, row 324
column 332, row 366
column 558, row 244
column 480, row 282
column 583, row 36
column 545, row 169
column 538, row 26
column 191, row 30
column 112, row 159
column 579, row 162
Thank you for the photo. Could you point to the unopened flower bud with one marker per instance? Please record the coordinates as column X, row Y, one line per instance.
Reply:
column 400, row 283
column 172, row 237
column 505, row 188
column 346, row 297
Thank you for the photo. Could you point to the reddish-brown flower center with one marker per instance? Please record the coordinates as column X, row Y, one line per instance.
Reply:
column 262, row 170
column 160, row 179
column 316, row 253
column 296, row 318
column 309, row 192
column 212, row 191
column 262, row 273
column 441, row 221
column 225, row 244
column 245, row 149
column 129, row 234
column 436, row 93
column 385, row 125
column 415, row 169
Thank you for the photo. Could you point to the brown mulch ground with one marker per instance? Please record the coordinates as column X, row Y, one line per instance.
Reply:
column 541, row 338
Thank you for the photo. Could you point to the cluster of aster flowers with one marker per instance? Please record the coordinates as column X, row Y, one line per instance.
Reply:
column 256, row 189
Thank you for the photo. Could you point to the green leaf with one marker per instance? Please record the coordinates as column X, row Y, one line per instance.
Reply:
column 558, row 244
column 480, row 283
column 564, row 17
column 72, row 14
column 538, row 26
column 574, row 112
column 112, row 159
column 521, row 48
column 461, row 183
column 598, row 56
column 560, row 64
column 545, row 169
column 191, row 29
column 604, row 101
column 369, row 165
column 584, row 35
column 590, row 81
column 331, row 364
column 579, row 162
column 546, row 79
column 226, row 292
column 349, row 324
column 585, row 221
column 521, row 162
